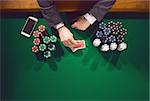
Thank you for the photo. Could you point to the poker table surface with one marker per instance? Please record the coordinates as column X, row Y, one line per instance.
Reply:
column 87, row 74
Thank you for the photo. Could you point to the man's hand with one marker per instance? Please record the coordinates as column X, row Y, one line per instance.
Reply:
column 66, row 36
column 81, row 24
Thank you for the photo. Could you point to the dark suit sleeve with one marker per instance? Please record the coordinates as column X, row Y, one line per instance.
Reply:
column 49, row 12
column 101, row 8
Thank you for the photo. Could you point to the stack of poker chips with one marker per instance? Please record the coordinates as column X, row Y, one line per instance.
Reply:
column 43, row 42
column 110, row 37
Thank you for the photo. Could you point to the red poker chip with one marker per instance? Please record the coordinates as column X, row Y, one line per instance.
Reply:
column 35, row 49
column 36, row 41
column 36, row 34
column 41, row 28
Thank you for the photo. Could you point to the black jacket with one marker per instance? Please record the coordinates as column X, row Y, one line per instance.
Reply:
column 51, row 14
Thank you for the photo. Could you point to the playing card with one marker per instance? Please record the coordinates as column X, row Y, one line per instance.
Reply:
column 81, row 45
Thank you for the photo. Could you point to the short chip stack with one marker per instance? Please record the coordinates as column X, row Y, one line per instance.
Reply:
column 43, row 42
column 110, row 36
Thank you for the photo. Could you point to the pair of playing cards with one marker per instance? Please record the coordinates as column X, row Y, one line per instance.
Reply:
column 80, row 45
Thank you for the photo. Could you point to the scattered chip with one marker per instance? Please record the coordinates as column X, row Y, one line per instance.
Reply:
column 47, row 54
column 107, row 31
column 51, row 47
column 36, row 34
column 46, row 40
column 96, row 42
column 42, row 47
column 36, row 41
column 102, row 25
column 112, row 38
column 105, row 48
column 99, row 34
column 104, row 39
column 35, row 49
column 41, row 28
column 53, row 38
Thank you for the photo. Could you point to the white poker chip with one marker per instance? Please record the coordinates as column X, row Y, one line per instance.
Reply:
column 96, row 42
column 113, row 46
column 105, row 48
column 122, row 46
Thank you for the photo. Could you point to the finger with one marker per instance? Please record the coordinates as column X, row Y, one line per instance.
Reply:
column 65, row 43
column 72, row 41
column 74, row 25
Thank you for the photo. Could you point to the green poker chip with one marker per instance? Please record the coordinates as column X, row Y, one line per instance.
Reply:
column 53, row 38
column 51, row 47
column 46, row 40
column 42, row 47
column 47, row 54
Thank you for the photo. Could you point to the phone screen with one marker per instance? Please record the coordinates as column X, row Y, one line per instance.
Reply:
column 29, row 26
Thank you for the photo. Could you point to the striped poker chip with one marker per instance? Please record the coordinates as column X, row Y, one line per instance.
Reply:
column 99, row 34
column 51, row 47
column 46, row 40
column 111, row 24
column 104, row 39
column 35, row 49
column 112, row 39
column 42, row 47
column 119, row 24
column 102, row 25
column 41, row 28
column 36, row 41
column 36, row 34
column 115, row 31
column 107, row 31
column 53, row 38
column 120, row 38
column 47, row 54
column 123, row 31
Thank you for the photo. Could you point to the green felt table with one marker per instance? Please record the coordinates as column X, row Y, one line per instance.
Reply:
column 87, row 74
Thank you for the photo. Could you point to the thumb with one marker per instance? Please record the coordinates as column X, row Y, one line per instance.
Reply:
column 74, row 25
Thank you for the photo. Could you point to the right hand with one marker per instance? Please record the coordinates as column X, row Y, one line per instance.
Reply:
column 66, row 36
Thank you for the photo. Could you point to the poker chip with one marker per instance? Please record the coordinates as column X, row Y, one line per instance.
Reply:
column 115, row 31
column 122, row 46
column 105, row 48
column 119, row 24
column 36, row 41
column 47, row 54
column 111, row 24
column 102, row 25
column 112, row 38
column 46, row 40
column 36, row 34
column 104, row 39
column 53, row 38
column 99, row 34
column 107, row 31
column 42, row 47
column 120, row 38
column 35, row 49
column 51, row 47
column 96, row 42
column 113, row 46
column 41, row 28
column 123, row 31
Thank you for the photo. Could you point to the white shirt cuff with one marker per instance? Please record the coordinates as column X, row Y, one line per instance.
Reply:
column 59, row 25
column 90, row 18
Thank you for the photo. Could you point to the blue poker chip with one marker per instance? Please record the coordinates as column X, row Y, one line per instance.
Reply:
column 112, row 39
column 99, row 34
column 102, row 25
column 107, row 31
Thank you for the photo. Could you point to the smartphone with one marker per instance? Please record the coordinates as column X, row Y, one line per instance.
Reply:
column 29, row 26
